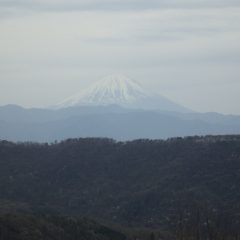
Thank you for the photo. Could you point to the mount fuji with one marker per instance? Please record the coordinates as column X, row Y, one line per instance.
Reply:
column 121, row 91
column 114, row 107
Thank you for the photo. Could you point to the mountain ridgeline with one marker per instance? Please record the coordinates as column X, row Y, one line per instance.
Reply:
column 48, row 125
column 188, row 187
column 114, row 107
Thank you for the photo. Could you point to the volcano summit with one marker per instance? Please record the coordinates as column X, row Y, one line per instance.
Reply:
column 122, row 91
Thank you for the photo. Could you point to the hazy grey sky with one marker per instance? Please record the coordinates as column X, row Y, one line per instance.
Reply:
column 186, row 50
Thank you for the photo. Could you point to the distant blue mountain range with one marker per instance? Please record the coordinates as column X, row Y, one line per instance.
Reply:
column 21, row 124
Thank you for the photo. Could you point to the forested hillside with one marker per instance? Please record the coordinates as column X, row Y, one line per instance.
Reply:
column 29, row 227
column 189, row 186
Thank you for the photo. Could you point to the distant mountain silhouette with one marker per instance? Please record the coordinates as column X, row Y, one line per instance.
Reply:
column 122, row 91
column 20, row 124
column 114, row 107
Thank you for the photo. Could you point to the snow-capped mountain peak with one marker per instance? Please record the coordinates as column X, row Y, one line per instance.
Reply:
column 113, row 89
column 118, row 84
column 122, row 91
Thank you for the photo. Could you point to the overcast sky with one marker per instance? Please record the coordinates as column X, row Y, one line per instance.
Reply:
column 186, row 50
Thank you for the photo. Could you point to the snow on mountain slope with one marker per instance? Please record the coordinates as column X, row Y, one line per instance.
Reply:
column 123, row 91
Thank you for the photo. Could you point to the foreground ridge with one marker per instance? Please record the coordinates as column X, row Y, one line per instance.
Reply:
column 141, row 183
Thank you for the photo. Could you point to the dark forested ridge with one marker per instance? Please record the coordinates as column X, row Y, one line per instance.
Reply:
column 33, row 227
column 187, row 186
